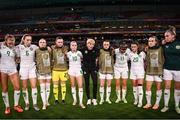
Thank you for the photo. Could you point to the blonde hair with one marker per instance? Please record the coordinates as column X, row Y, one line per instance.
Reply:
column 91, row 41
column 72, row 42
column 23, row 37
column 171, row 30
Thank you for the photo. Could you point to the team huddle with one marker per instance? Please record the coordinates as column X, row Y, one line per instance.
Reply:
column 58, row 63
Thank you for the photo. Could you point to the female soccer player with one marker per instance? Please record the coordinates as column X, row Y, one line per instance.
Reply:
column 26, row 52
column 90, row 55
column 137, row 72
column 9, row 71
column 106, row 62
column 171, row 68
column 43, row 65
column 121, row 71
column 60, row 67
column 75, row 72
column 154, row 71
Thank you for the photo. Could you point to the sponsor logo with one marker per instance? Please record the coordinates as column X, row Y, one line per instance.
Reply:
column 178, row 47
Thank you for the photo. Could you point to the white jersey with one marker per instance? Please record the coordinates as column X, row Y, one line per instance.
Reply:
column 7, row 57
column 121, row 59
column 137, row 61
column 1, row 43
column 128, row 51
column 27, row 55
column 74, row 59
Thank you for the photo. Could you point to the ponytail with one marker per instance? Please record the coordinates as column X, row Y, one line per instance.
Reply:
column 171, row 30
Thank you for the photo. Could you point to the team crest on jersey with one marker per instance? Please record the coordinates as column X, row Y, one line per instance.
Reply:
column 31, row 48
column 22, row 48
column 178, row 47
column 108, row 57
column 78, row 55
column 86, row 51
column 60, row 54
column 167, row 46
column 45, row 56
column 154, row 56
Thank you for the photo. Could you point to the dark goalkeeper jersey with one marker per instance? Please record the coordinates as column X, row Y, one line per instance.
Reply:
column 172, row 55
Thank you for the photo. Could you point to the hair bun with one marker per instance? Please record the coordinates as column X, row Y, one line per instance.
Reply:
column 172, row 29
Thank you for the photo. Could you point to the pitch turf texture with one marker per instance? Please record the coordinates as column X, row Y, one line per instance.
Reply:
column 120, row 110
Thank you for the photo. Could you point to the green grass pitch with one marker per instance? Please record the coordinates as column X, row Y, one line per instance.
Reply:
column 105, row 111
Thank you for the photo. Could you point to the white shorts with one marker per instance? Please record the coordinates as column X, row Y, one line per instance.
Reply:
column 152, row 78
column 134, row 75
column 120, row 72
column 171, row 75
column 9, row 71
column 75, row 72
column 44, row 76
column 27, row 72
column 105, row 76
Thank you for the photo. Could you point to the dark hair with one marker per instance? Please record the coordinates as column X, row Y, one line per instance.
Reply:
column 135, row 42
column 156, row 39
column 110, row 49
column 171, row 30
column 58, row 37
column 106, row 40
column 122, row 45
column 9, row 36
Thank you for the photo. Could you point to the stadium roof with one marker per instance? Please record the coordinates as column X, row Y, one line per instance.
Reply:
column 21, row 4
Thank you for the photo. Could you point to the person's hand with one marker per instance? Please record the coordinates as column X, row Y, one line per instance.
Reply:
column 163, row 42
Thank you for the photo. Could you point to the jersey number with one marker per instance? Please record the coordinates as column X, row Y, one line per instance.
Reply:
column 122, row 58
column 8, row 53
column 27, row 53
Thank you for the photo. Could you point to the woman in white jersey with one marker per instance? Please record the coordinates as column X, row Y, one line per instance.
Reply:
column 137, row 72
column 9, row 71
column 26, row 52
column 121, row 71
column 75, row 72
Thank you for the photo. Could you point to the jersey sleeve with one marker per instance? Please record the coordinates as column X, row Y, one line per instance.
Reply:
column 116, row 51
column 17, row 50
column 80, row 54
column 128, row 51
column 143, row 55
column 35, row 47
column 68, row 54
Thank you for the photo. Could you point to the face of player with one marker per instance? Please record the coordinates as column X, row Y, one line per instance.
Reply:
column 169, row 37
column 10, row 42
column 122, row 50
column 134, row 48
column 27, row 41
column 152, row 42
column 59, row 42
column 106, row 45
column 73, row 46
column 42, row 43
column 90, row 46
